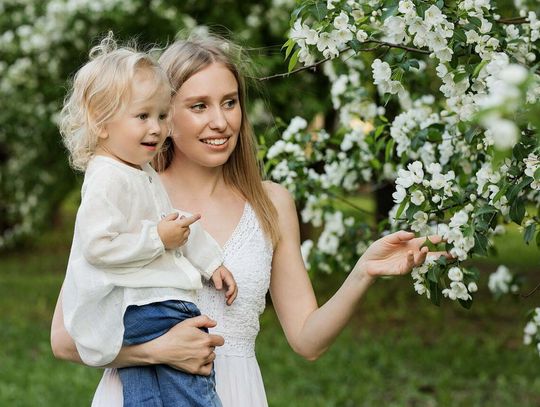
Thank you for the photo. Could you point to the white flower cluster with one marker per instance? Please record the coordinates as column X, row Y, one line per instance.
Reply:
column 329, row 43
column 419, row 275
column 382, row 74
column 458, row 290
column 503, row 95
column 407, row 124
column 462, row 244
column 531, row 332
column 433, row 31
column 532, row 163
column 334, row 229
column 487, row 179
column 502, row 281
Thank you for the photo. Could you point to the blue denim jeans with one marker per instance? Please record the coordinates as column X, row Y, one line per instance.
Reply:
column 161, row 385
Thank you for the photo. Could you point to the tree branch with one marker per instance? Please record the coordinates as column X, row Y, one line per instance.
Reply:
column 283, row 75
column 514, row 20
column 535, row 289
column 352, row 205
column 316, row 64
column 390, row 45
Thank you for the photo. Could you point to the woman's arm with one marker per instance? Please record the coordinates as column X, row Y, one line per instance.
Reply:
column 184, row 347
column 311, row 329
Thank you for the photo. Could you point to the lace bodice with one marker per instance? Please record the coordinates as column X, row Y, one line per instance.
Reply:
column 248, row 255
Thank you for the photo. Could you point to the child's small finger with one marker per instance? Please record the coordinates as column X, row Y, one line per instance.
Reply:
column 188, row 221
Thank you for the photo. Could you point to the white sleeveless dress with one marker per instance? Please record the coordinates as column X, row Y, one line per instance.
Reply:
column 248, row 255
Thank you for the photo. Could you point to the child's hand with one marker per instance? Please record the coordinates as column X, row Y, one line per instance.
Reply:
column 174, row 232
column 223, row 276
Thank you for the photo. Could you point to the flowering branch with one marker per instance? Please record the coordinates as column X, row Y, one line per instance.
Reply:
column 286, row 74
column 316, row 64
column 390, row 45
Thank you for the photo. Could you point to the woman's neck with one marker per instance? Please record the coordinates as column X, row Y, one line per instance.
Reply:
column 193, row 179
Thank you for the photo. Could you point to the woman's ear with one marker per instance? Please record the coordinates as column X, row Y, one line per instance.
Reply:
column 102, row 133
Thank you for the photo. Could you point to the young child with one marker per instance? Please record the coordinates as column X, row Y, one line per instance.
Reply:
column 132, row 270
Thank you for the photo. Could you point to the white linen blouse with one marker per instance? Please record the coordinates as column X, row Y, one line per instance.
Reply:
column 117, row 258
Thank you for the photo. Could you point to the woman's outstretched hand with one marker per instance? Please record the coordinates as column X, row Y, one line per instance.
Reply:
column 396, row 254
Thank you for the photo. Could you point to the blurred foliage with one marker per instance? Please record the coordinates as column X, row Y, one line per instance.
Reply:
column 42, row 44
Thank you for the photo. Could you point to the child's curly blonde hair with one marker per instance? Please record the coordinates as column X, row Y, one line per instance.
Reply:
column 100, row 90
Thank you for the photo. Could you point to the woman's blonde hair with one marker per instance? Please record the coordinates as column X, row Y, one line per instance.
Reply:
column 100, row 90
column 181, row 60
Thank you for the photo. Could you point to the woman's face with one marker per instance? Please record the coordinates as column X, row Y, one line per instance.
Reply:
column 207, row 116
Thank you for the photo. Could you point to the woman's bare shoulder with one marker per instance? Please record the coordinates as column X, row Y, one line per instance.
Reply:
column 279, row 195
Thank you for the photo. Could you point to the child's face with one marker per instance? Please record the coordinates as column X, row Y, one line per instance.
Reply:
column 136, row 135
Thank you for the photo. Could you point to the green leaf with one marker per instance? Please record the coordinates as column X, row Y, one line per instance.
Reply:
column 296, row 12
column 355, row 45
column 389, row 150
column 515, row 189
column 476, row 21
column 414, row 63
column 469, row 134
column 422, row 7
column 459, row 35
column 538, row 239
column 479, row 67
column 401, row 208
column 517, row 211
column 486, row 209
column 290, row 46
column 480, row 244
column 319, row 10
column 379, row 131
column 460, row 76
column 466, row 304
column 499, row 194
column 390, row 11
column 294, row 60
column 435, row 295
column 430, row 245
column 519, row 152
column 434, row 135
column 537, row 174
column 529, row 233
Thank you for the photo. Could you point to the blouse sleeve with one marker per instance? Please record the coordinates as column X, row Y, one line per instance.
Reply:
column 102, row 225
column 202, row 250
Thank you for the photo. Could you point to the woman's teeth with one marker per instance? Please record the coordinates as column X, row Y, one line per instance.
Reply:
column 215, row 141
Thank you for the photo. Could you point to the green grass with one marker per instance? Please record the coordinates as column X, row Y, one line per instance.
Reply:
column 399, row 350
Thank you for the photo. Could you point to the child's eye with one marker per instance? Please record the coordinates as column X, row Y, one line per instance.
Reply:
column 163, row 116
column 229, row 104
column 143, row 116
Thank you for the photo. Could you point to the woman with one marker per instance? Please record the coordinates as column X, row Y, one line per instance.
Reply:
column 209, row 167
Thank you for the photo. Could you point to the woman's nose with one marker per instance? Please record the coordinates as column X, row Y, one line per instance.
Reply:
column 218, row 121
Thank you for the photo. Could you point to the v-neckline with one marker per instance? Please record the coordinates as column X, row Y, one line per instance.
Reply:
column 234, row 232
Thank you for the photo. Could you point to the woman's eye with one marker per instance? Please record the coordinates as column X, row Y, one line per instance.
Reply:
column 229, row 104
column 143, row 116
column 198, row 107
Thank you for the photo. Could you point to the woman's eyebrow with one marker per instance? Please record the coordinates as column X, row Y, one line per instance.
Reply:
column 205, row 97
